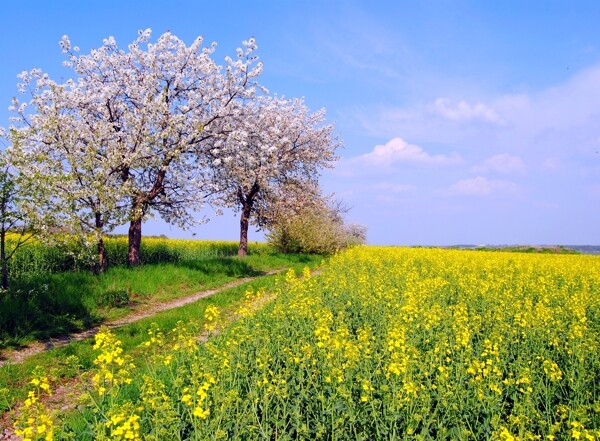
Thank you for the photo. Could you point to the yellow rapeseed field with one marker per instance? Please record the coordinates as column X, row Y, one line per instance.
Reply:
column 386, row 343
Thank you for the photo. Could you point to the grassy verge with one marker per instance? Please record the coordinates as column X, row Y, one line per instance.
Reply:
column 42, row 307
column 64, row 363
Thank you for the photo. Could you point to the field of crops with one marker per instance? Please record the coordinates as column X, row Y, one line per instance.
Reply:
column 386, row 343
column 40, row 259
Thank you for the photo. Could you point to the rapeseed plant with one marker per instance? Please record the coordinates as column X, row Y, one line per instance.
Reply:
column 34, row 421
column 113, row 367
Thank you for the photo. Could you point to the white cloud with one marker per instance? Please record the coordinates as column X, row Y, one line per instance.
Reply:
column 465, row 112
column 502, row 163
column 398, row 150
column 387, row 158
column 481, row 186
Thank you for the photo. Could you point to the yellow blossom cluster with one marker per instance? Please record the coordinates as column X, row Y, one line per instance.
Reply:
column 34, row 421
column 123, row 426
column 211, row 315
column 113, row 367
column 38, row 427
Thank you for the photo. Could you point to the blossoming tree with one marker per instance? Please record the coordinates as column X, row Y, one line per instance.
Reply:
column 126, row 137
column 271, row 145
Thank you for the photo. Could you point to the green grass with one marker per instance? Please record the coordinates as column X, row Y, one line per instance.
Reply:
column 14, row 377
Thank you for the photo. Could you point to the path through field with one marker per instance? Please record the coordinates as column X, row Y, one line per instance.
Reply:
column 65, row 395
column 18, row 356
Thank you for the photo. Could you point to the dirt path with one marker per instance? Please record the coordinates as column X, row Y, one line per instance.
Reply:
column 143, row 311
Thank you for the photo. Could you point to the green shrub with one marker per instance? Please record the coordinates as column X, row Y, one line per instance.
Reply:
column 315, row 231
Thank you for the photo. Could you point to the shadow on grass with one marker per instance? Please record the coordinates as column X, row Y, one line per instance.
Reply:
column 302, row 258
column 228, row 266
column 40, row 308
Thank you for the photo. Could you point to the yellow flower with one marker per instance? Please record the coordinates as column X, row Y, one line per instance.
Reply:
column 201, row 413
column 505, row 435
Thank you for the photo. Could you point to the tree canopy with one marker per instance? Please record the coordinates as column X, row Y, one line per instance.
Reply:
column 272, row 145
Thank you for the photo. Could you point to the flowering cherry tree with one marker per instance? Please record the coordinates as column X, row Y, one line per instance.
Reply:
column 127, row 136
column 271, row 147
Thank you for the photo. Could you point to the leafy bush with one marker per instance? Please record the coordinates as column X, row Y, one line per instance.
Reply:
column 315, row 230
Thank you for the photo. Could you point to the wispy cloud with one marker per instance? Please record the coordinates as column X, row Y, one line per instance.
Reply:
column 551, row 163
column 546, row 205
column 439, row 121
column 391, row 187
column 595, row 190
column 481, row 186
column 568, row 105
column 356, row 44
column 561, row 118
column 501, row 163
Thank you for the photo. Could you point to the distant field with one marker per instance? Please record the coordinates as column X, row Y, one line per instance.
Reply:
column 549, row 249
column 386, row 343
column 39, row 259
column 586, row 249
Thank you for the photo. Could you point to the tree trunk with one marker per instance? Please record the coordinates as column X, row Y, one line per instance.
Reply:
column 3, row 258
column 135, row 242
column 244, row 222
column 102, row 263
column 247, row 201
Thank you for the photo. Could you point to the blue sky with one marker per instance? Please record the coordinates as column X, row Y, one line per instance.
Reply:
column 463, row 121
